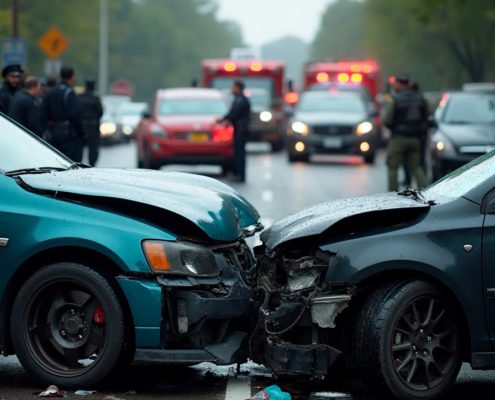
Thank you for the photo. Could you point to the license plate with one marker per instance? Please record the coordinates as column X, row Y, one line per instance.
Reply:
column 199, row 137
column 332, row 143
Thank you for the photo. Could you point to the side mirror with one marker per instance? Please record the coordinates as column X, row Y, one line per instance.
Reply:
column 432, row 122
column 146, row 114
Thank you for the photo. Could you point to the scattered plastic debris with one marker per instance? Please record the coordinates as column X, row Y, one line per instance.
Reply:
column 111, row 397
column 84, row 392
column 50, row 391
column 272, row 393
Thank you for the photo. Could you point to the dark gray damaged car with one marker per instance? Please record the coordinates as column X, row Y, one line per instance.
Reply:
column 397, row 287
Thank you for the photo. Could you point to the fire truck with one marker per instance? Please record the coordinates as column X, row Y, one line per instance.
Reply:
column 359, row 73
column 264, row 82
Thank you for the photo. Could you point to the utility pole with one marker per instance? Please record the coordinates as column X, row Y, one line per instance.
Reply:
column 15, row 18
column 103, row 57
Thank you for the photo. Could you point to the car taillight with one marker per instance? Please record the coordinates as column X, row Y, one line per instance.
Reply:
column 222, row 133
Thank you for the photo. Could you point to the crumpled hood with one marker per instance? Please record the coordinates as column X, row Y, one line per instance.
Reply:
column 217, row 209
column 317, row 219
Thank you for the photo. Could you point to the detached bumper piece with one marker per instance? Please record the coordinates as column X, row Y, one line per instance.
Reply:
column 291, row 359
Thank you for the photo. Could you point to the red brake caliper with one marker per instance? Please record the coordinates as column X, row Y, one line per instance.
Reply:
column 99, row 317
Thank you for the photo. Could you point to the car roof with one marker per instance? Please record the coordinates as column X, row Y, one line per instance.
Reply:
column 196, row 93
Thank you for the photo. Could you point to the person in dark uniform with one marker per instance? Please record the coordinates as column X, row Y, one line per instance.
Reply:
column 91, row 111
column 12, row 75
column 238, row 116
column 406, row 117
column 62, row 114
column 25, row 106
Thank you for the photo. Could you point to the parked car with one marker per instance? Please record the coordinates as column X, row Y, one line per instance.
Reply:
column 465, row 130
column 399, row 286
column 128, row 116
column 332, row 123
column 182, row 128
column 100, row 266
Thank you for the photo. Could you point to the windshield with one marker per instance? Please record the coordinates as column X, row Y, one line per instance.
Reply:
column 330, row 103
column 20, row 150
column 132, row 109
column 192, row 107
column 259, row 98
column 470, row 109
column 464, row 179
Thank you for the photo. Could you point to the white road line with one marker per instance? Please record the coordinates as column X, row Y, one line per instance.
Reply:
column 267, row 161
column 267, row 196
column 238, row 388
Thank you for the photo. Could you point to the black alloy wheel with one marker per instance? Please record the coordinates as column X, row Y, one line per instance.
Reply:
column 67, row 326
column 408, row 341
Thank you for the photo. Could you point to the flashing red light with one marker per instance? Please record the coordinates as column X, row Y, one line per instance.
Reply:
column 222, row 133
column 391, row 79
column 356, row 78
column 256, row 67
column 343, row 77
column 443, row 102
column 291, row 98
column 230, row 67
column 322, row 77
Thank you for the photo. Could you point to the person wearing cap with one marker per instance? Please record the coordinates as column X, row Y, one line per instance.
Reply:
column 238, row 116
column 25, row 106
column 91, row 111
column 406, row 117
column 12, row 75
column 61, row 113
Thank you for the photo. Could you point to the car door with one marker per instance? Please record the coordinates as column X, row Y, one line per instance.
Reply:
column 488, row 262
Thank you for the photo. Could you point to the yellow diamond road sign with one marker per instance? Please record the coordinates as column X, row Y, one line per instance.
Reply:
column 53, row 42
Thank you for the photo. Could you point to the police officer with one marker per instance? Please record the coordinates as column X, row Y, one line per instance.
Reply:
column 406, row 117
column 62, row 113
column 25, row 106
column 238, row 116
column 11, row 75
column 91, row 111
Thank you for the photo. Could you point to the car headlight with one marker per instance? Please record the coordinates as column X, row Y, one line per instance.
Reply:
column 108, row 128
column 266, row 116
column 300, row 127
column 363, row 128
column 180, row 258
column 157, row 130
column 442, row 145
column 127, row 129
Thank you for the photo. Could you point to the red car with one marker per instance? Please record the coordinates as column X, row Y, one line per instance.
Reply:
column 182, row 129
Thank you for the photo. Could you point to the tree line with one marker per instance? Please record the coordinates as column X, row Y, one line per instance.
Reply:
column 441, row 43
column 153, row 43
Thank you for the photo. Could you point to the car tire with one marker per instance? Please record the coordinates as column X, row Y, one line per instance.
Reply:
column 407, row 341
column 298, row 158
column 369, row 158
column 68, row 326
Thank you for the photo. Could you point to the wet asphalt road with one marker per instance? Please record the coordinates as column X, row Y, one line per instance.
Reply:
column 276, row 188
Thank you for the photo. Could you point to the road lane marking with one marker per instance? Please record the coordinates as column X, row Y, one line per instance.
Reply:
column 267, row 176
column 267, row 196
column 238, row 388
column 267, row 161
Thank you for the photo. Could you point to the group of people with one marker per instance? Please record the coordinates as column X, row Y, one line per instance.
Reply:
column 407, row 118
column 54, row 111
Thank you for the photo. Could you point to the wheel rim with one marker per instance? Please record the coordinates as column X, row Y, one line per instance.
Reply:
column 65, row 329
column 424, row 343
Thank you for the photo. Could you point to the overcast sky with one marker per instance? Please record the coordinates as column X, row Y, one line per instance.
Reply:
column 263, row 21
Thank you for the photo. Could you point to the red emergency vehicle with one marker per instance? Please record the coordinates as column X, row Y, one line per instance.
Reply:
column 264, row 82
column 365, row 73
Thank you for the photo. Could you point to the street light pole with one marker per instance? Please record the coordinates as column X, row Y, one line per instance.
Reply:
column 15, row 18
column 103, row 57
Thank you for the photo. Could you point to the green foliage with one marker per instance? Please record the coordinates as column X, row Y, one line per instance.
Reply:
column 441, row 43
column 153, row 43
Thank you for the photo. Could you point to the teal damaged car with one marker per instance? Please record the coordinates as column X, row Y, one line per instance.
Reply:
column 100, row 267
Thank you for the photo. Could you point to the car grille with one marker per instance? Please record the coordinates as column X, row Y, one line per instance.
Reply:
column 332, row 130
column 476, row 150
